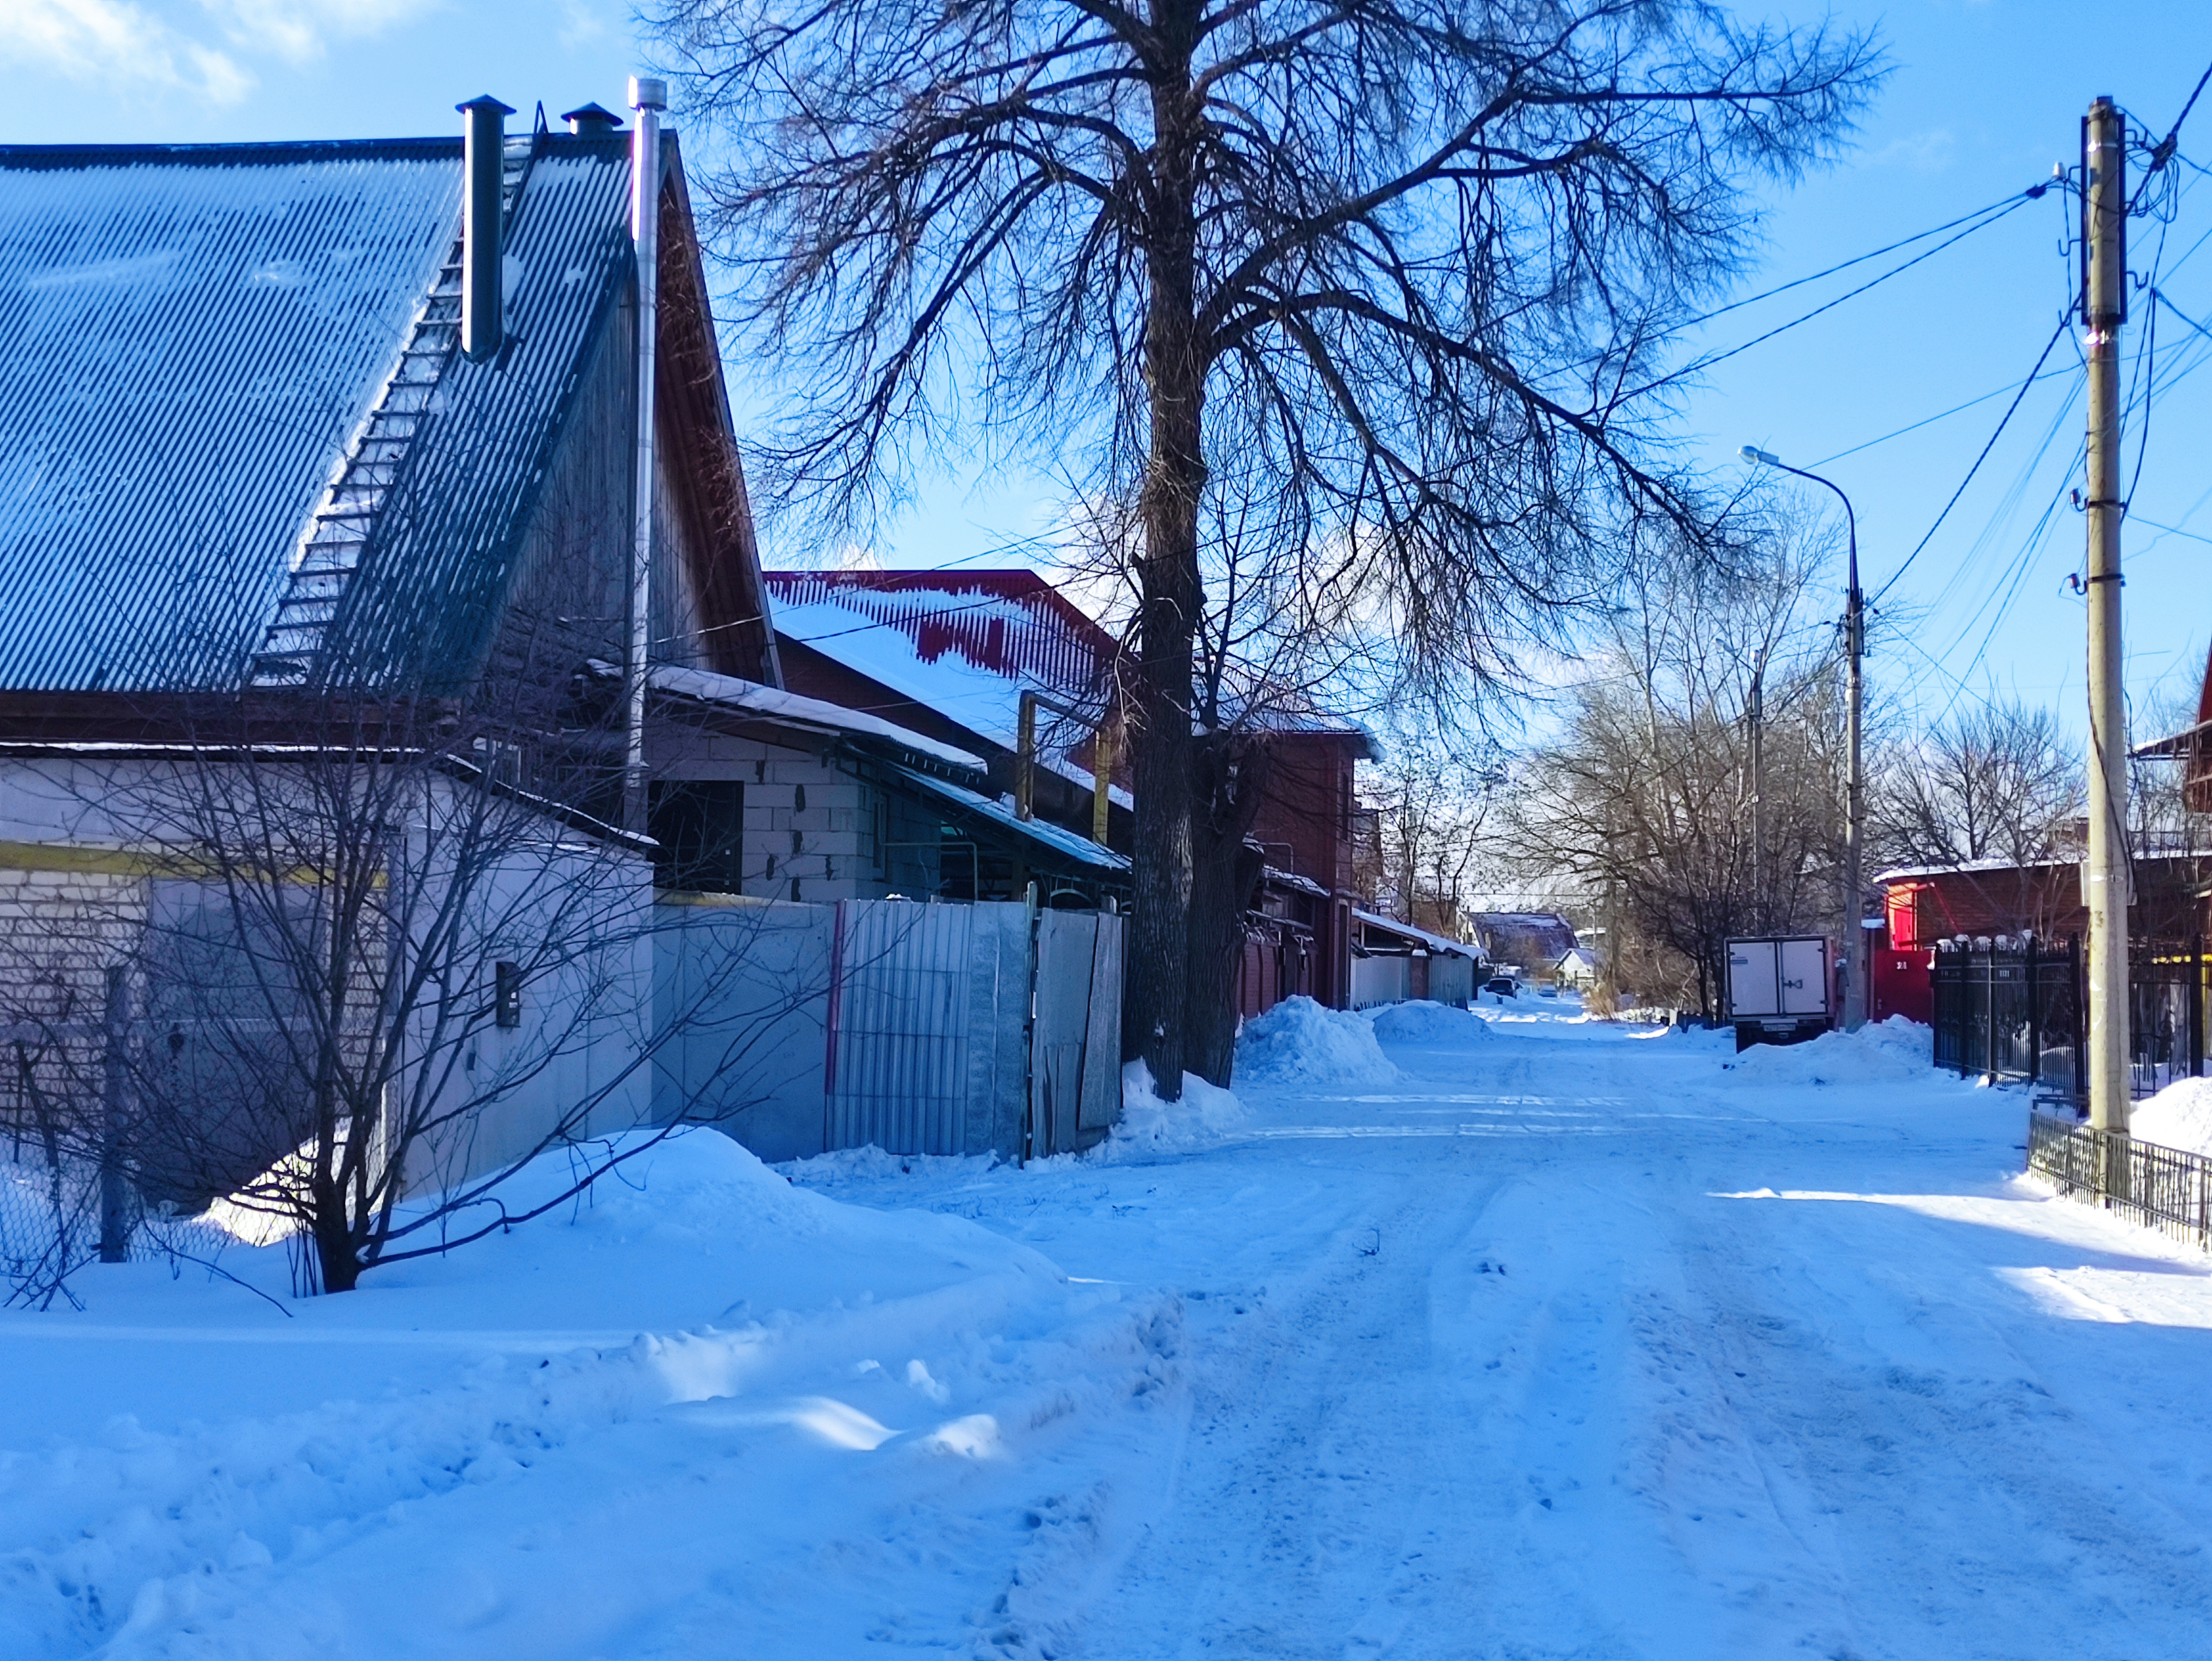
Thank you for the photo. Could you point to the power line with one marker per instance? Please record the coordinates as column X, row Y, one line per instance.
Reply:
column 2168, row 530
column 1706, row 362
column 1928, row 421
column 2066, row 319
column 2007, row 202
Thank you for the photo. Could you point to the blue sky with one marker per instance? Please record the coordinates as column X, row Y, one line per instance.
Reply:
column 1986, row 95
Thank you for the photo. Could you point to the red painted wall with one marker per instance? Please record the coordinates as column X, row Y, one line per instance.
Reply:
column 1899, row 981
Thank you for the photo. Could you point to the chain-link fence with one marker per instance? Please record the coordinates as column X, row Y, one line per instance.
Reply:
column 53, row 1224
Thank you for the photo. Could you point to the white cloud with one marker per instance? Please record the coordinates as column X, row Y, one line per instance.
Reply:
column 300, row 31
column 114, row 40
column 1932, row 151
column 580, row 26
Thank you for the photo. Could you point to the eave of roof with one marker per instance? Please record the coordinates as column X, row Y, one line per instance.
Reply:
column 1434, row 942
column 1080, row 850
column 779, row 708
column 2184, row 744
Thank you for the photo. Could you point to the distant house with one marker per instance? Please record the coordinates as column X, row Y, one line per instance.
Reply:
column 1987, row 899
column 950, row 653
column 1392, row 961
column 1529, row 943
column 1576, row 969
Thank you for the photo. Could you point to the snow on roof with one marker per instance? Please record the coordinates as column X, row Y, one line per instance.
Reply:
column 1434, row 942
column 772, row 703
column 1065, row 843
column 1969, row 867
column 980, row 696
column 967, row 643
column 1010, row 623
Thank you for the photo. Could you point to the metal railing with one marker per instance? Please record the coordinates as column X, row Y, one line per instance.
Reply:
column 2160, row 1188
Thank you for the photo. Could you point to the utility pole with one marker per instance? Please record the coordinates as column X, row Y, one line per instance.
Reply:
column 2104, row 309
column 1853, row 944
column 1855, row 952
column 1759, row 796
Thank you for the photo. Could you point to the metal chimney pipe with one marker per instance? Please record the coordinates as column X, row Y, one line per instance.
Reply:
column 649, row 97
column 483, row 174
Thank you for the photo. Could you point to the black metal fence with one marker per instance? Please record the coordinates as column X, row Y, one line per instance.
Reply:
column 2011, row 1007
column 2161, row 1187
column 2167, row 1012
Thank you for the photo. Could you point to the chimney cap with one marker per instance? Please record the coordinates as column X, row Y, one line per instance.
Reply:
column 647, row 93
column 590, row 118
column 484, row 100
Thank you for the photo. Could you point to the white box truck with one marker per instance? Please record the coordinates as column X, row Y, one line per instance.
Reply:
column 1779, row 989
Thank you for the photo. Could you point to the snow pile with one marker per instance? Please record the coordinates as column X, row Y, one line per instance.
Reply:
column 2179, row 1116
column 1422, row 1021
column 506, row 1450
column 1299, row 1043
column 1206, row 1117
column 1878, row 1052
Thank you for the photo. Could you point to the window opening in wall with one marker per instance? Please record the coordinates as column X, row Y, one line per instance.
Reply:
column 699, row 827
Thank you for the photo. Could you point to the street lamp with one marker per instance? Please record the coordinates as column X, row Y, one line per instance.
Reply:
column 1854, row 790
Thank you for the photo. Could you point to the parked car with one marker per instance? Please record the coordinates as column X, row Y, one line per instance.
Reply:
column 1547, row 991
column 1504, row 985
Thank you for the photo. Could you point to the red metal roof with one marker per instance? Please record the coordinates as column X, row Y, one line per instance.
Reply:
column 1011, row 623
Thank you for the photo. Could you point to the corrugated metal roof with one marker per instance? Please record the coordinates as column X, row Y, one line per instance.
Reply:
column 1080, row 850
column 190, row 337
column 1012, row 623
column 187, row 337
column 437, row 563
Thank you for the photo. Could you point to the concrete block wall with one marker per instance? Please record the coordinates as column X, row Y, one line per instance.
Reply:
column 812, row 830
column 65, row 915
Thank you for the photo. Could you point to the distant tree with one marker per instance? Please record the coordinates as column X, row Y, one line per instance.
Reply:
column 1994, row 781
column 1436, row 829
column 1646, row 800
column 1404, row 272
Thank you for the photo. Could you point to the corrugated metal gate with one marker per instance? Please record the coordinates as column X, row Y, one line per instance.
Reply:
column 918, row 1029
column 898, row 1027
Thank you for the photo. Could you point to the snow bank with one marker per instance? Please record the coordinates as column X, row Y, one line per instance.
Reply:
column 2180, row 1116
column 1421, row 1021
column 1206, row 1117
column 1878, row 1052
column 1301, row 1044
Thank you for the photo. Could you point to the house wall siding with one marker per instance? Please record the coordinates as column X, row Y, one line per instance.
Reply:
column 82, row 854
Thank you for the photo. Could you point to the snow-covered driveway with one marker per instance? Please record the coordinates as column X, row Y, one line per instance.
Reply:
column 1568, row 1342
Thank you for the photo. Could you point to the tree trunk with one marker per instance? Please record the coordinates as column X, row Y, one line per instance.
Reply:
column 336, row 1261
column 1229, row 776
column 1170, row 593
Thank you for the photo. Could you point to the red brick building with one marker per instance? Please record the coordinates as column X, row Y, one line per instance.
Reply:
column 949, row 654
column 1988, row 898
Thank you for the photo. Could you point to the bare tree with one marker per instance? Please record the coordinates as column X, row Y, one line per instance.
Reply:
column 1652, row 797
column 1995, row 780
column 353, row 983
column 1437, row 827
column 1404, row 272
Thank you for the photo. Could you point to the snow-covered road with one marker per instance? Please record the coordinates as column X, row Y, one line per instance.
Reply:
column 1570, row 1341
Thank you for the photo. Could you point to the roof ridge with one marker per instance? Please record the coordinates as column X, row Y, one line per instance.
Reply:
column 277, row 150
